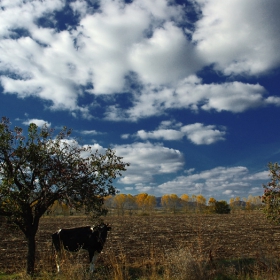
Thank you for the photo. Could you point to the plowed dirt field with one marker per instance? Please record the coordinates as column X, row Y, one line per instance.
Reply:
column 136, row 239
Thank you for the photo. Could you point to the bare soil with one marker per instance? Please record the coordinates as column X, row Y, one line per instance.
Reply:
column 136, row 239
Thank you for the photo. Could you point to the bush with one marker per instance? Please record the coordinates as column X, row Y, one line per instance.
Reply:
column 221, row 207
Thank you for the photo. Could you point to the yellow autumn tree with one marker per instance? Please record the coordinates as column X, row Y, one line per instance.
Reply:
column 130, row 203
column 150, row 202
column 54, row 209
column 65, row 209
column 140, row 200
column 200, row 202
column 255, row 201
column 109, row 203
column 145, row 202
column 170, row 202
column 185, row 202
column 211, row 204
column 248, row 206
column 235, row 203
column 164, row 201
column 119, row 201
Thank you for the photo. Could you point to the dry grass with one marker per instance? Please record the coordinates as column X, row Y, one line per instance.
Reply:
column 191, row 247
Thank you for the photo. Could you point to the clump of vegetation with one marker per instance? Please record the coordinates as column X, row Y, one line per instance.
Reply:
column 221, row 207
column 271, row 196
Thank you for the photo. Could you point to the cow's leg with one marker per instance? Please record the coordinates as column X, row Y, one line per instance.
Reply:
column 57, row 258
column 93, row 257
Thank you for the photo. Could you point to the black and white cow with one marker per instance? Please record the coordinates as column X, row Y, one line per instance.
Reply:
column 88, row 238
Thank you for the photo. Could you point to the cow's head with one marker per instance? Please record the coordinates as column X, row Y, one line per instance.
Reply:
column 103, row 228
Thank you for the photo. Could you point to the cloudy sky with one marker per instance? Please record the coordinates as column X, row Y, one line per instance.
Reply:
column 186, row 91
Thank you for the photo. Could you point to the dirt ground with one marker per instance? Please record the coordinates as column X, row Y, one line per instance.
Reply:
column 135, row 239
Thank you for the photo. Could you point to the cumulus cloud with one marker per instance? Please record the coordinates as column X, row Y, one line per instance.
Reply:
column 166, row 134
column 239, row 37
column 19, row 14
column 203, row 135
column 231, row 181
column 38, row 122
column 106, row 46
column 148, row 160
column 166, row 57
column 191, row 93
column 197, row 133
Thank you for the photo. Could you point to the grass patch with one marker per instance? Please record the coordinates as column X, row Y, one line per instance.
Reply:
column 5, row 276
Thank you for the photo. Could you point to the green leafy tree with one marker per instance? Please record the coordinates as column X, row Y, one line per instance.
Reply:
column 271, row 196
column 40, row 168
column 221, row 207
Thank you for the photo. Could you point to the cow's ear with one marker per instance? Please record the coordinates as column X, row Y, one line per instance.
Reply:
column 108, row 227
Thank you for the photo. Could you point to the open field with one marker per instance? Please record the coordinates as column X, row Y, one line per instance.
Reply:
column 141, row 240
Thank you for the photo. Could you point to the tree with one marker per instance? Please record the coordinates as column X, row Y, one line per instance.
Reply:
column 124, row 201
column 211, row 204
column 200, row 202
column 145, row 202
column 170, row 201
column 150, row 202
column 141, row 200
column 185, row 202
column 120, row 201
column 221, row 207
column 271, row 196
column 40, row 168
column 131, row 204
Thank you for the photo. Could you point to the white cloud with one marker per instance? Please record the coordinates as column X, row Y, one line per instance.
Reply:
column 143, row 38
column 23, row 14
column 147, row 160
column 166, row 134
column 239, row 37
column 228, row 192
column 142, row 188
column 192, row 94
column 128, row 188
column 125, row 136
column 203, row 135
column 198, row 133
column 164, row 58
column 38, row 122
column 53, row 65
column 79, row 7
column 263, row 175
column 215, row 182
column 90, row 132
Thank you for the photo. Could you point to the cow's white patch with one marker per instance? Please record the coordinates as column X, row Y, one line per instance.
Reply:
column 92, row 264
column 58, row 231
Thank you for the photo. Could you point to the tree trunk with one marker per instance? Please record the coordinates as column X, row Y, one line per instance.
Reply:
column 31, row 254
column 32, row 227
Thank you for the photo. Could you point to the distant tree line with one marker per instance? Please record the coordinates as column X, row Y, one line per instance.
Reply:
column 144, row 203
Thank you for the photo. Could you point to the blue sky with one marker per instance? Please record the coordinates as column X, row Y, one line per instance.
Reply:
column 186, row 91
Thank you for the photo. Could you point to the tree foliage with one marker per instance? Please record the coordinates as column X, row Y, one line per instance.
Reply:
column 271, row 196
column 184, row 201
column 40, row 168
column 170, row 201
column 221, row 207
